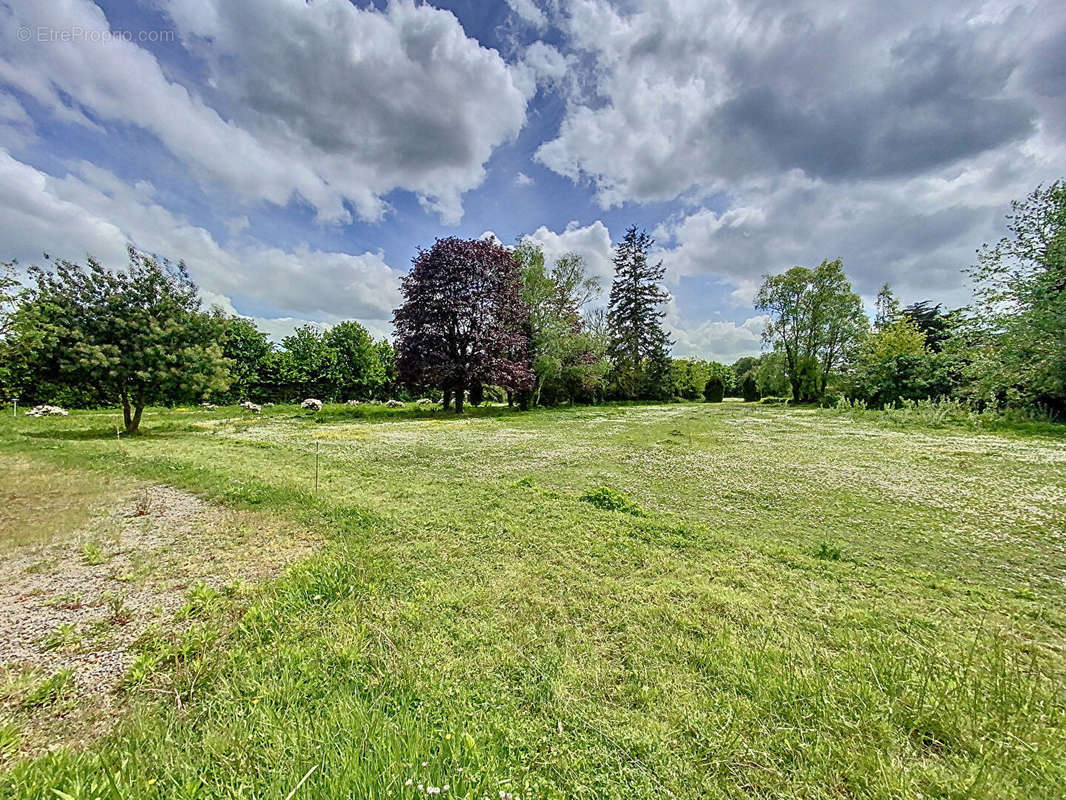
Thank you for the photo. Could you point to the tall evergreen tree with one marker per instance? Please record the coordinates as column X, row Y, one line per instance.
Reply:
column 639, row 343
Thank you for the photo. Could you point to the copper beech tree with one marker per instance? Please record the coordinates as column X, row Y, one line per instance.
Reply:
column 463, row 322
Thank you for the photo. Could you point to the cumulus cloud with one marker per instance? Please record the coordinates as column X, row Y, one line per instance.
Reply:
column 893, row 135
column 76, row 215
column 325, row 103
column 918, row 234
column 720, row 340
column 691, row 96
column 591, row 242
column 521, row 179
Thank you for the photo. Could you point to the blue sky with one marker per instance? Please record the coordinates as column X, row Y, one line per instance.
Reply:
column 297, row 154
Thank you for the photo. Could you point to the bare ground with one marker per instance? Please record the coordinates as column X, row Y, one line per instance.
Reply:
column 71, row 609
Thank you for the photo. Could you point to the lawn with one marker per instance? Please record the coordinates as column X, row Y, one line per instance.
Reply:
column 798, row 603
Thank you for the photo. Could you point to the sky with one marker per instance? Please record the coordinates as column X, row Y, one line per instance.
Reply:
column 297, row 153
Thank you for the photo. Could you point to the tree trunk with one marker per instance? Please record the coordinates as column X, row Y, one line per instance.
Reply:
column 127, row 418
column 460, row 392
column 134, row 425
column 447, row 402
column 796, row 384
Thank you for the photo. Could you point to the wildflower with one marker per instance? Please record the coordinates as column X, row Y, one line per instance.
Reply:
column 394, row 404
column 311, row 404
column 408, row 782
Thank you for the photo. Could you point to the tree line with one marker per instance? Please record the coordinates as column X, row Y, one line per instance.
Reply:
column 479, row 320
column 1007, row 348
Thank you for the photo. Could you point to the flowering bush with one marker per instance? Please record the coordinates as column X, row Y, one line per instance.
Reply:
column 425, row 401
column 311, row 404
column 46, row 411
column 355, row 402
column 250, row 406
column 208, row 406
column 394, row 404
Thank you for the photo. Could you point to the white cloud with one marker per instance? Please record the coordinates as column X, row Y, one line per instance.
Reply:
column 893, row 136
column 548, row 64
column 591, row 242
column 521, row 179
column 918, row 234
column 325, row 102
column 529, row 12
column 721, row 340
column 689, row 97
column 74, row 215
column 16, row 127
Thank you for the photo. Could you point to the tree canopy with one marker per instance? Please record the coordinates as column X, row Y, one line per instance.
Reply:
column 816, row 320
column 1019, row 313
column 564, row 354
column 463, row 320
column 138, row 335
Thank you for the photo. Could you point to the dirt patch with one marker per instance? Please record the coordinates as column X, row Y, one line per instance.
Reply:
column 71, row 610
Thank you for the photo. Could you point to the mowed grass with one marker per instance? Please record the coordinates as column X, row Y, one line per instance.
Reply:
column 809, row 605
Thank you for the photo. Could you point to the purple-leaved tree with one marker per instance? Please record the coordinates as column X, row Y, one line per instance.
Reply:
column 463, row 321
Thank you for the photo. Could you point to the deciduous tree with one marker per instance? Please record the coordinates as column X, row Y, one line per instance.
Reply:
column 556, row 298
column 138, row 335
column 816, row 320
column 1019, row 313
column 463, row 319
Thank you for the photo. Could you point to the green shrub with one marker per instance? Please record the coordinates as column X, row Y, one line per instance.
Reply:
column 749, row 388
column 611, row 500
column 714, row 390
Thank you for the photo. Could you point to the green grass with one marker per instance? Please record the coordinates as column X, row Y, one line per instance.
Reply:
column 809, row 604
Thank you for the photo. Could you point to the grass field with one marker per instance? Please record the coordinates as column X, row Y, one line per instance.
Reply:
column 799, row 604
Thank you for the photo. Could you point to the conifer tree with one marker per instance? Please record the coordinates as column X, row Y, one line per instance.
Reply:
column 639, row 344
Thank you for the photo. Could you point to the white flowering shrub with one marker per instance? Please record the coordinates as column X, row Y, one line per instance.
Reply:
column 311, row 404
column 394, row 404
column 250, row 406
column 355, row 402
column 425, row 401
column 46, row 411
column 208, row 406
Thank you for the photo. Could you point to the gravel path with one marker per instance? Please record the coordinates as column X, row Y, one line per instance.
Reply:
column 80, row 604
